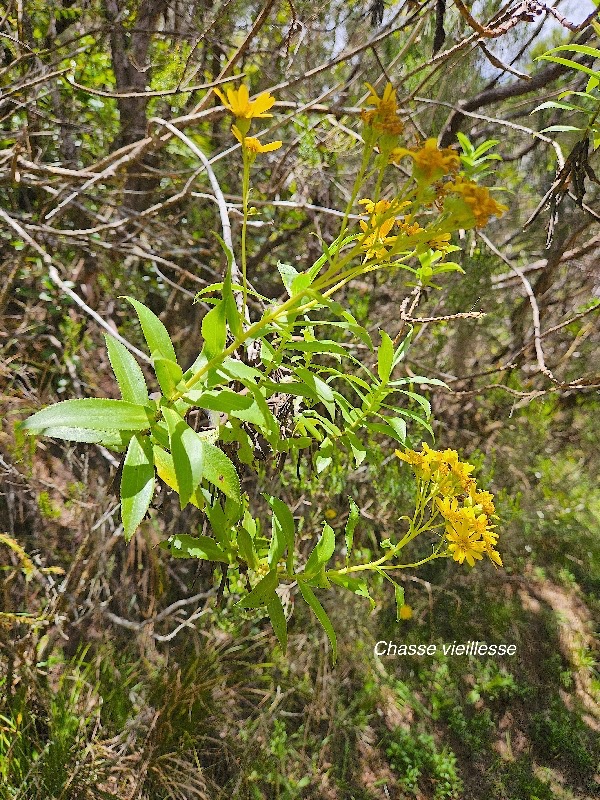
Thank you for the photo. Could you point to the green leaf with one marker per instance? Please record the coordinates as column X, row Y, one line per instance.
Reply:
column 351, row 524
column 127, row 372
column 319, row 611
column 359, row 451
column 356, row 585
column 402, row 348
column 187, row 450
column 288, row 275
column 278, row 621
column 214, row 330
column 219, row 470
column 155, row 333
column 283, row 534
column 560, row 129
column 246, row 548
column 399, row 595
column 566, row 62
column 577, row 48
column 95, row 414
column 113, row 439
column 321, row 553
column 137, row 483
column 165, row 469
column 385, row 357
column 168, row 374
column 263, row 592
column 232, row 314
column 182, row 545
column 223, row 400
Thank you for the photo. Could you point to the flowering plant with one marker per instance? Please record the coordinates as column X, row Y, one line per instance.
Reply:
column 267, row 384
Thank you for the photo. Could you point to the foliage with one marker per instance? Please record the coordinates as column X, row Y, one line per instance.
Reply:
column 273, row 380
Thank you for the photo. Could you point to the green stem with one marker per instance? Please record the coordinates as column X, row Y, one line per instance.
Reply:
column 245, row 193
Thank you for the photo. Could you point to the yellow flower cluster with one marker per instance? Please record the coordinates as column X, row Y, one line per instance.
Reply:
column 383, row 118
column 481, row 204
column 430, row 163
column 466, row 510
column 383, row 215
column 245, row 110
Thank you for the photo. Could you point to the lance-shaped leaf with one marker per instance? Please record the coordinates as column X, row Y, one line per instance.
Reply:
column 356, row 585
column 351, row 524
column 127, row 372
column 95, row 414
column 165, row 469
column 319, row 611
column 187, row 450
column 283, row 534
column 263, row 592
column 214, row 330
column 113, row 439
column 219, row 470
column 182, row 545
column 137, row 483
column 246, row 548
column 234, row 318
column 385, row 357
column 278, row 621
column 156, row 335
column 399, row 595
column 321, row 553
column 168, row 373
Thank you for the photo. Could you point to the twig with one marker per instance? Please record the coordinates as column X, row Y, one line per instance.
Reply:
column 534, row 307
column 56, row 279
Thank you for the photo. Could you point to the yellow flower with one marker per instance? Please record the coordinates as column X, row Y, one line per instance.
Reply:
column 383, row 117
column 252, row 144
column 239, row 103
column 430, row 162
column 493, row 555
column 478, row 199
column 463, row 542
column 330, row 513
column 379, row 208
column 448, row 508
column 405, row 612
column 483, row 499
column 376, row 242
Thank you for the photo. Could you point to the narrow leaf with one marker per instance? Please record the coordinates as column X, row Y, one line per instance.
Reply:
column 155, row 333
column 278, row 621
column 187, row 450
column 168, row 373
column 351, row 524
column 262, row 593
column 96, row 414
column 319, row 611
column 214, row 330
column 385, row 357
column 186, row 546
column 137, row 483
column 399, row 595
column 127, row 372
column 322, row 552
column 219, row 470
column 283, row 534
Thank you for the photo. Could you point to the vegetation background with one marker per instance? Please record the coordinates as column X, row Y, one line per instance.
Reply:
column 120, row 676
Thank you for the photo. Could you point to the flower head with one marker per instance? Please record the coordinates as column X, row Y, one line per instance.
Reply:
column 383, row 118
column 405, row 611
column 481, row 205
column 239, row 103
column 430, row 163
column 464, row 543
column 252, row 144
